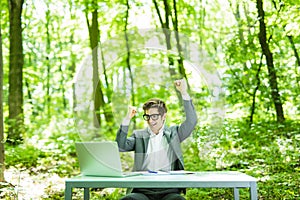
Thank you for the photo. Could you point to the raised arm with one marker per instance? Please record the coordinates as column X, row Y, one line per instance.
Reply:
column 181, row 86
column 186, row 128
column 126, row 143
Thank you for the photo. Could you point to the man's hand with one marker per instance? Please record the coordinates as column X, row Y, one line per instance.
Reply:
column 131, row 112
column 181, row 86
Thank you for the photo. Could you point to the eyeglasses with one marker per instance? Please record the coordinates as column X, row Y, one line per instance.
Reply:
column 153, row 117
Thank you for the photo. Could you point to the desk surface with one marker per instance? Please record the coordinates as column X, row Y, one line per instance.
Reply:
column 203, row 179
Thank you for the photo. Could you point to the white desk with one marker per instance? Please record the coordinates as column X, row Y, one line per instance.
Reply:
column 221, row 179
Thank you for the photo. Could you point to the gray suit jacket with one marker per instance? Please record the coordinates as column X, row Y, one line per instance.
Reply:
column 138, row 141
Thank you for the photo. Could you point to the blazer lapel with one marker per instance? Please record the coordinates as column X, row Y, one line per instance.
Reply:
column 174, row 143
column 167, row 134
column 146, row 138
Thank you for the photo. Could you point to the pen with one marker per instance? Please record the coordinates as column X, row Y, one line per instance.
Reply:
column 150, row 171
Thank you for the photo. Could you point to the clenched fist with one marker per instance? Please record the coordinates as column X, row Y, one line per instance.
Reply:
column 181, row 86
column 131, row 112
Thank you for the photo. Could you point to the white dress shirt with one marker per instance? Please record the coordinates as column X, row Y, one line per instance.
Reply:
column 158, row 156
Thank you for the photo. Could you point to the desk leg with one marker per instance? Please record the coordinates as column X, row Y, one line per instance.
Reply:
column 253, row 191
column 86, row 193
column 236, row 193
column 68, row 192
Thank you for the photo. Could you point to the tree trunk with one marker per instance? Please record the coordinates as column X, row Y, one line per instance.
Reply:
column 72, row 64
column 16, row 61
column 297, row 61
column 128, row 61
column 27, row 84
column 98, row 94
column 181, row 68
column 269, row 58
column 237, row 15
column 62, row 84
column 107, row 90
column 2, row 154
column 48, row 50
column 128, row 54
column 166, row 29
column 180, row 59
column 255, row 91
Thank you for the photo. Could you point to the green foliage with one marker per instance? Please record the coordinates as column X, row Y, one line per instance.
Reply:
column 54, row 49
column 267, row 150
column 59, row 148
column 244, row 59
column 49, row 149
column 210, row 194
column 22, row 156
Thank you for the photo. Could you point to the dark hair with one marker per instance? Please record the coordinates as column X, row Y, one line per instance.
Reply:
column 155, row 103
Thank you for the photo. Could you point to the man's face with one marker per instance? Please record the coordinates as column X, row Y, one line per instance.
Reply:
column 156, row 121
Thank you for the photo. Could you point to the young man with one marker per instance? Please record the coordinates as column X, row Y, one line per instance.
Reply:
column 157, row 147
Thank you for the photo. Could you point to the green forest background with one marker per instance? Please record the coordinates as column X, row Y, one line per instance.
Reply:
column 69, row 69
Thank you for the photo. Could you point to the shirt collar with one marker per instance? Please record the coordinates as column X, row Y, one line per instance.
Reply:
column 160, row 132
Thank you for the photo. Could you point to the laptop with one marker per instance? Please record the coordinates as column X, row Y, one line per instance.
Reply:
column 100, row 159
